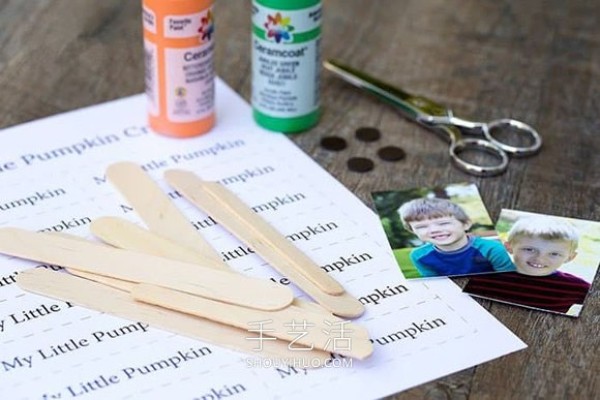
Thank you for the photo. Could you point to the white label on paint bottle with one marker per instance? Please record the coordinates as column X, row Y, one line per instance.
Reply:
column 285, row 82
column 285, row 61
column 189, row 82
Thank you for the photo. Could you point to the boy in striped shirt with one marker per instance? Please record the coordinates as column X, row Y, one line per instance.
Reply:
column 539, row 246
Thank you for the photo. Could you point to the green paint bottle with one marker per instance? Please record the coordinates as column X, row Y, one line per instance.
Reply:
column 286, row 61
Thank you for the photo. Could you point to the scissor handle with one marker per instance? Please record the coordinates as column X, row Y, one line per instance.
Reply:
column 458, row 145
column 480, row 145
column 488, row 128
column 515, row 126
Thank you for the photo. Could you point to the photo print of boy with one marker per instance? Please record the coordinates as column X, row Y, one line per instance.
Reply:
column 441, row 232
column 556, row 260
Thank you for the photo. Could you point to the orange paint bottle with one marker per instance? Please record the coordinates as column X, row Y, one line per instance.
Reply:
column 180, row 84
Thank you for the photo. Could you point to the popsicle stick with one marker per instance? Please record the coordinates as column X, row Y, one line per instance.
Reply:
column 359, row 331
column 318, row 309
column 112, row 282
column 126, row 235
column 343, row 305
column 238, row 218
column 105, row 299
column 105, row 280
column 308, row 306
column 67, row 236
column 138, row 267
column 102, row 228
column 290, row 324
column 156, row 209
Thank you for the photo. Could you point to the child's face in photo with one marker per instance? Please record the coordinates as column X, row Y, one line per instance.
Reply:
column 446, row 233
column 539, row 257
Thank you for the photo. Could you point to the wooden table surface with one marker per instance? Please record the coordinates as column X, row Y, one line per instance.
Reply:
column 535, row 60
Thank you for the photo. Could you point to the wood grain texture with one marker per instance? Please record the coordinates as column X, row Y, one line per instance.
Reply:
column 535, row 60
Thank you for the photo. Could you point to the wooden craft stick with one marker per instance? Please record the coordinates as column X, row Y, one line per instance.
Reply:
column 101, row 227
column 326, row 315
column 156, row 209
column 359, row 330
column 105, row 299
column 120, row 284
column 126, row 235
column 138, row 267
column 306, row 305
column 290, row 324
column 343, row 305
column 238, row 218
column 112, row 282
column 310, row 306
column 67, row 235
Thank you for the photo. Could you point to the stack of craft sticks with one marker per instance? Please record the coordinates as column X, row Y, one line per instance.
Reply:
column 169, row 277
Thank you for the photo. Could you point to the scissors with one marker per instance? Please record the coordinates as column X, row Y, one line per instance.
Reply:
column 442, row 120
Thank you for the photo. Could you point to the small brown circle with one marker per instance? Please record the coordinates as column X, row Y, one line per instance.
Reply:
column 333, row 143
column 360, row 164
column 391, row 153
column 367, row 134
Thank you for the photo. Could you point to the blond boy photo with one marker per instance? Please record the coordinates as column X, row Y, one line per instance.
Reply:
column 540, row 246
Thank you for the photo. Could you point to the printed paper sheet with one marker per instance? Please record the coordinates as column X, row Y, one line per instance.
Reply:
column 52, row 179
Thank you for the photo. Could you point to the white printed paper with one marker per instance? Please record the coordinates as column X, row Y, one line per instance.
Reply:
column 52, row 175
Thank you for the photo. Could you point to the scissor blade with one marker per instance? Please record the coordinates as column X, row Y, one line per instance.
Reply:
column 413, row 107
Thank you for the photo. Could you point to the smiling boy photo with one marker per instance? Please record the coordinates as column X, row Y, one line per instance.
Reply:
column 448, row 250
column 541, row 245
column 441, row 231
column 544, row 250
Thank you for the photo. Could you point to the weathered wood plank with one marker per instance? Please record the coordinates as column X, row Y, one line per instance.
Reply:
column 535, row 60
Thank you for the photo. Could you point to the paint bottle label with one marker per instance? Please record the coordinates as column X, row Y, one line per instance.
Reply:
column 285, row 66
column 179, row 45
column 189, row 76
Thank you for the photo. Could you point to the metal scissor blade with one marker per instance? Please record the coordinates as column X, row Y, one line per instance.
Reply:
column 413, row 107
